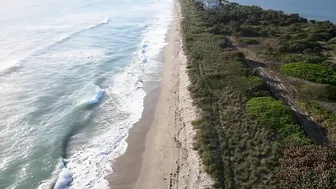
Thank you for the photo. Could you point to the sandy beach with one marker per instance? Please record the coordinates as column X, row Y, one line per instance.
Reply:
column 160, row 146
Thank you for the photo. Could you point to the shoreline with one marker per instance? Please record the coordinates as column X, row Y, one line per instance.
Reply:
column 160, row 146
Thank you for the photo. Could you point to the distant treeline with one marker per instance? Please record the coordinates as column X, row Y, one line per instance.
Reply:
column 247, row 139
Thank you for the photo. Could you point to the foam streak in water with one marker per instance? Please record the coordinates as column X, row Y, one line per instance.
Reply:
column 15, row 65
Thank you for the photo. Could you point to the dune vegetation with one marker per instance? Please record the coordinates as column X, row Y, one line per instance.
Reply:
column 246, row 138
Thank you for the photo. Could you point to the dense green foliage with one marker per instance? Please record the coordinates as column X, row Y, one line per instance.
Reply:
column 278, row 117
column 311, row 72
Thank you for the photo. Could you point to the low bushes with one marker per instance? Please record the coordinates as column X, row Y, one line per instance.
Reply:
column 248, row 41
column 323, row 116
column 308, row 167
column 332, row 41
column 317, row 92
column 311, row 72
column 232, row 55
column 309, row 58
column 300, row 46
column 332, row 47
column 274, row 114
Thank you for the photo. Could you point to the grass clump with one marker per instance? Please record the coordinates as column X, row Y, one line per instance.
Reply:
column 308, row 58
column 248, row 41
column 311, row 72
column 332, row 41
column 326, row 118
column 317, row 92
column 274, row 114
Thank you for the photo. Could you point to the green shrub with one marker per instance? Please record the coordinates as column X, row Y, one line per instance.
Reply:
column 311, row 72
column 332, row 41
column 309, row 58
column 314, row 58
column 318, row 92
column 300, row 46
column 248, row 41
column 232, row 55
column 322, row 36
column 332, row 47
column 275, row 115
column 326, row 118
column 287, row 58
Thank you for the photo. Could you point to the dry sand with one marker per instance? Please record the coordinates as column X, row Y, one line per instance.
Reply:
column 160, row 153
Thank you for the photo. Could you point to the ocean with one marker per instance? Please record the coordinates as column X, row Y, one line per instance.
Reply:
column 71, row 86
column 311, row 9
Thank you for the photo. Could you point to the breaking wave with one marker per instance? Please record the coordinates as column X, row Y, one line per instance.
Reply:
column 65, row 177
column 97, row 97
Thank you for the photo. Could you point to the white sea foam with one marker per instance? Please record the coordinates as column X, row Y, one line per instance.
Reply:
column 64, row 178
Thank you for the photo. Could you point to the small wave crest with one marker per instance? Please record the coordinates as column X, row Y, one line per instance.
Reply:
column 97, row 97
column 10, row 68
column 105, row 21
column 67, row 37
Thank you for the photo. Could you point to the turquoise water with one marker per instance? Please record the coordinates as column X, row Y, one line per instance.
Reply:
column 311, row 9
column 71, row 74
